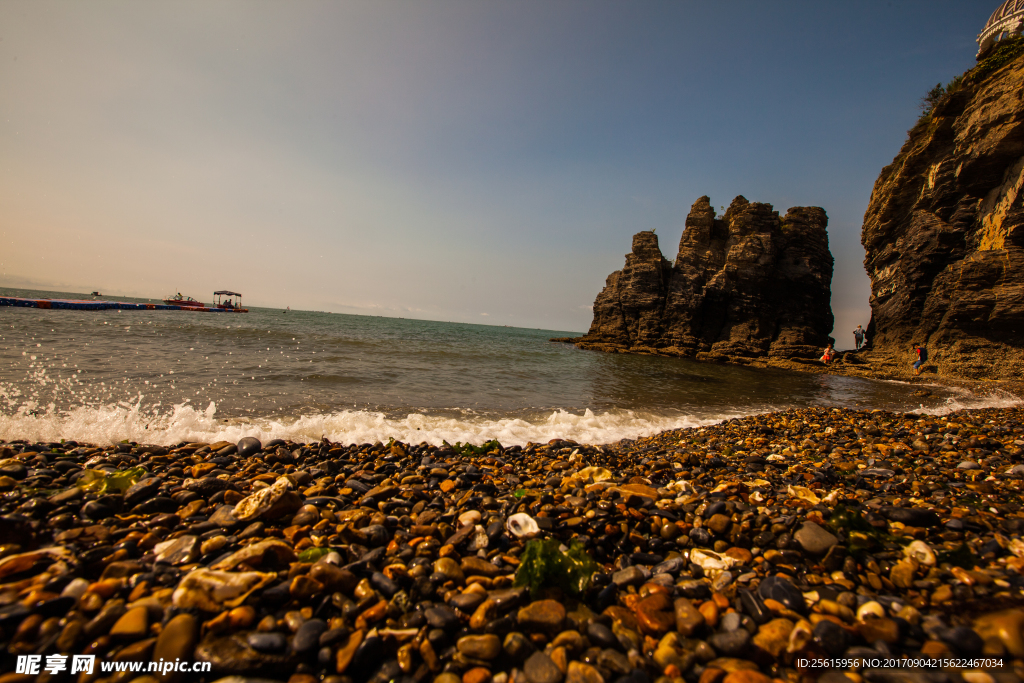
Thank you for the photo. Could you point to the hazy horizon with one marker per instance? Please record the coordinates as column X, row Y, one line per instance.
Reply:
column 445, row 160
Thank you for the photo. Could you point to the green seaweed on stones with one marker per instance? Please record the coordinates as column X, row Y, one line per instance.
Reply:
column 844, row 518
column 465, row 449
column 961, row 556
column 861, row 536
column 311, row 555
column 100, row 482
column 544, row 565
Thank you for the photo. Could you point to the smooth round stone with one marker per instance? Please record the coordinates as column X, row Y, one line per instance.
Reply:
column 754, row 606
column 781, row 590
column 178, row 639
column 96, row 510
column 694, row 589
column 467, row 602
column 540, row 669
column 480, row 647
column 570, row 640
column 601, row 636
column 248, row 445
column 443, row 617
column 579, row 672
column 968, row 465
column 447, row 677
column 832, row 637
column 477, row 674
column 672, row 566
column 266, row 642
column 141, row 490
column 133, row 624
column 814, row 539
column 449, row 568
column 731, row 621
column 717, row 508
column 308, row 635
column 730, row 643
column 542, row 615
column 307, row 514
column 721, row 581
column 701, row 537
column 719, row 523
column 517, row 646
column 386, row 586
column 654, row 614
column 630, row 576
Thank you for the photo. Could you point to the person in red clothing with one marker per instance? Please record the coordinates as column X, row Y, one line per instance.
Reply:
column 922, row 357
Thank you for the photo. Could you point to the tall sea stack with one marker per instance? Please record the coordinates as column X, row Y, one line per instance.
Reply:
column 943, row 231
column 745, row 285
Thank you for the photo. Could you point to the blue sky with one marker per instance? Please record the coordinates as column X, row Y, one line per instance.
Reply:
column 453, row 160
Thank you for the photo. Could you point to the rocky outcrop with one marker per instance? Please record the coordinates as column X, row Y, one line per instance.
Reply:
column 745, row 285
column 943, row 231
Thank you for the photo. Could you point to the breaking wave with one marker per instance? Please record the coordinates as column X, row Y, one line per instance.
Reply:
column 113, row 423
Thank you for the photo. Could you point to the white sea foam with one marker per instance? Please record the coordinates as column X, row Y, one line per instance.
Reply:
column 965, row 399
column 112, row 423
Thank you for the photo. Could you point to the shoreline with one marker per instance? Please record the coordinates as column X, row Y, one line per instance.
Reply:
column 864, row 364
column 743, row 546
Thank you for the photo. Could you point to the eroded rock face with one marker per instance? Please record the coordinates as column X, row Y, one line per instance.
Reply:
column 942, row 233
column 747, row 284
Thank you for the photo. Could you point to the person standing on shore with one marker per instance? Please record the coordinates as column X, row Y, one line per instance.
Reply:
column 858, row 337
column 922, row 357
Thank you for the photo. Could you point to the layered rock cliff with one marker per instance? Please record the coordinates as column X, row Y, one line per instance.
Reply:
column 943, row 232
column 745, row 285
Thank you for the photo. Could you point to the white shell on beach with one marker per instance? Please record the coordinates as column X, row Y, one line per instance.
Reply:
column 469, row 517
column 522, row 525
column 920, row 551
column 711, row 563
column 276, row 498
column 212, row 591
column 869, row 610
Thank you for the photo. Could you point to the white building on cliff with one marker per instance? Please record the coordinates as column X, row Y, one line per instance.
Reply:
column 1006, row 21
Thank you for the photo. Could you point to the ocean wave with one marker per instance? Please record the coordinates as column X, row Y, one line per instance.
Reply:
column 963, row 399
column 112, row 423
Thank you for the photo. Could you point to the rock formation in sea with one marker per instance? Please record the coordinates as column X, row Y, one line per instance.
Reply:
column 744, row 285
column 943, row 231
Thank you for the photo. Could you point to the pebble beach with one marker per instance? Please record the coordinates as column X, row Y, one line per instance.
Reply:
column 816, row 543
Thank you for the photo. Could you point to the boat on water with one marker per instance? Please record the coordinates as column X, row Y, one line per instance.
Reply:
column 227, row 301
column 179, row 300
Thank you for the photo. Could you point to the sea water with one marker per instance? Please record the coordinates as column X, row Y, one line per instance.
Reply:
column 165, row 377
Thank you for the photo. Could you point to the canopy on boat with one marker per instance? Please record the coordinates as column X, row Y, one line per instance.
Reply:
column 227, row 293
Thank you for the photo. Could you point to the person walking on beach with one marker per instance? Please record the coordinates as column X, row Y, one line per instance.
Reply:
column 858, row 337
column 922, row 357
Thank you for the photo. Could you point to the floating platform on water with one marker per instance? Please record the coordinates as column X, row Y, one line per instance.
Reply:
column 84, row 305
